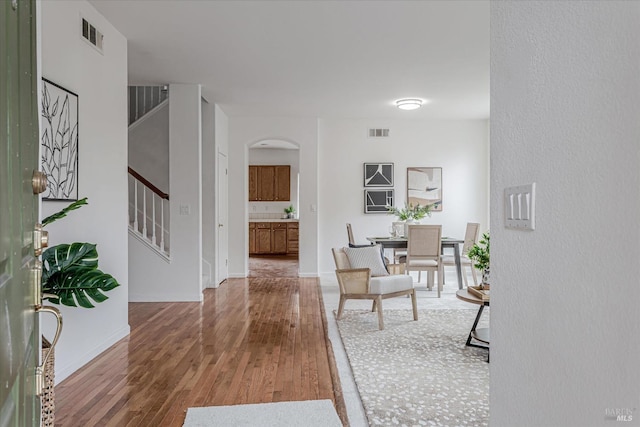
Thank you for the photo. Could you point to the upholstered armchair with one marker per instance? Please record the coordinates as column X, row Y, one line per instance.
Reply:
column 362, row 274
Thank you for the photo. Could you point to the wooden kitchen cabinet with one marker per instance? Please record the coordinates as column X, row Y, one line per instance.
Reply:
column 278, row 237
column 269, row 183
column 253, row 183
column 263, row 238
column 292, row 238
column 282, row 183
column 252, row 238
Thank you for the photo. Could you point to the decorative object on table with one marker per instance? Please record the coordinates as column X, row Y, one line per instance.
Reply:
column 70, row 274
column 290, row 211
column 479, row 255
column 378, row 174
column 408, row 215
column 59, row 141
column 424, row 187
column 376, row 201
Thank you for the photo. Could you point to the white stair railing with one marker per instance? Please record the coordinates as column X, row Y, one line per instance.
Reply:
column 149, row 213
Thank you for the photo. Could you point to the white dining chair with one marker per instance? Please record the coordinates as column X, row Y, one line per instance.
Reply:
column 470, row 238
column 423, row 252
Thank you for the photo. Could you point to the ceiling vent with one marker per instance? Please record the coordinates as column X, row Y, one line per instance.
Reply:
column 91, row 35
column 378, row 133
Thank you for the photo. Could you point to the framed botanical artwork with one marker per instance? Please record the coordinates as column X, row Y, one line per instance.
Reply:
column 424, row 187
column 59, row 141
column 376, row 201
column 378, row 174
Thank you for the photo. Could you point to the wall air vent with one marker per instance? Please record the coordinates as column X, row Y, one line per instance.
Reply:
column 91, row 35
column 378, row 133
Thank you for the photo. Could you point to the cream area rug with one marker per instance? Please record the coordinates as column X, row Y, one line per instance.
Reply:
column 311, row 413
column 418, row 373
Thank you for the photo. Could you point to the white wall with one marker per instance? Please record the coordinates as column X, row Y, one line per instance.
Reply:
column 101, row 84
column 459, row 147
column 148, row 151
column 150, row 277
column 245, row 131
column 565, row 318
column 270, row 156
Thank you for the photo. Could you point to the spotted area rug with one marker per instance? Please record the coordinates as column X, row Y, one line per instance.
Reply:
column 418, row 373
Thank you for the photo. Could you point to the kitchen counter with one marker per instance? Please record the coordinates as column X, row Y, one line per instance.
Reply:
column 272, row 220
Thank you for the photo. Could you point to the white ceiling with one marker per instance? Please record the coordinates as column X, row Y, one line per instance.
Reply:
column 327, row 59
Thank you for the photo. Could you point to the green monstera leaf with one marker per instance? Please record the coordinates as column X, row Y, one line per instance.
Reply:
column 71, row 276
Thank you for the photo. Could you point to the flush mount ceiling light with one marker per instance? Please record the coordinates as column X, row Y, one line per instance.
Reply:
column 409, row 103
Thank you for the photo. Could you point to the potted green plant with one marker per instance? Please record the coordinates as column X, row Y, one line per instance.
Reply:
column 70, row 274
column 290, row 211
column 479, row 255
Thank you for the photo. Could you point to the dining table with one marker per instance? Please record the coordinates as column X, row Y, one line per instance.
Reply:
column 391, row 242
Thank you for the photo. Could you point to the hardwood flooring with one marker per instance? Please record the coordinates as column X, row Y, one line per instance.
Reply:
column 273, row 266
column 252, row 340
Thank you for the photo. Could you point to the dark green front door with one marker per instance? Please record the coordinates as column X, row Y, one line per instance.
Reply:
column 19, row 334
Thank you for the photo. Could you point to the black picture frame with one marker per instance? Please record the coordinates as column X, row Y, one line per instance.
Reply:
column 376, row 201
column 378, row 175
column 59, row 119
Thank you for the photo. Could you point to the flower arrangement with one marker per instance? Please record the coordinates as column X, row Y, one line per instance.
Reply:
column 410, row 212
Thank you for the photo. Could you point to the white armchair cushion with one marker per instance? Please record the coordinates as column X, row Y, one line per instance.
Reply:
column 389, row 284
column 367, row 257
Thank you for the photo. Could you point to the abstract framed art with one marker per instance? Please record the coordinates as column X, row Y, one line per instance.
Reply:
column 59, row 141
column 424, row 187
column 376, row 201
column 378, row 174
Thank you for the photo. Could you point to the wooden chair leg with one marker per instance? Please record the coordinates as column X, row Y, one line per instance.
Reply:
column 380, row 320
column 414, row 303
column 340, row 306
column 373, row 306
column 439, row 284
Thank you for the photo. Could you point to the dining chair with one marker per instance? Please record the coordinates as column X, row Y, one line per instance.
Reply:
column 470, row 238
column 423, row 252
column 350, row 235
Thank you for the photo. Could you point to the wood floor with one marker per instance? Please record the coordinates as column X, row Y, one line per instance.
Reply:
column 253, row 340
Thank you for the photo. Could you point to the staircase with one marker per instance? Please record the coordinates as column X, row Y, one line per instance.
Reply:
column 149, row 207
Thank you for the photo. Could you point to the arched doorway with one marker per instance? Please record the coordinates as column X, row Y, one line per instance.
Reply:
column 273, row 206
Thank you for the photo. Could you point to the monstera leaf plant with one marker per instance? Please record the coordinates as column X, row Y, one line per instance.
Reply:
column 70, row 274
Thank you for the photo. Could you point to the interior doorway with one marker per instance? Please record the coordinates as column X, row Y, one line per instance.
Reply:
column 273, row 206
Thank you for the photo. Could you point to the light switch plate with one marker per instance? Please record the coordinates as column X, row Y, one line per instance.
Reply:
column 520, row 207
column 185, row 209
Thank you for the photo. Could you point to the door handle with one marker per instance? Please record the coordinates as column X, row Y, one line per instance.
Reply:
column 40, row 239
column 41, row 370
column 220, row 225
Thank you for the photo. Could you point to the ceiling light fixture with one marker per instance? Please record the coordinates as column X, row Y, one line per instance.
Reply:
column 409, row 103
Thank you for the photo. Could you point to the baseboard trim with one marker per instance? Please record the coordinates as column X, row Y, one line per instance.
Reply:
column 65, row 371
column 307, row 274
